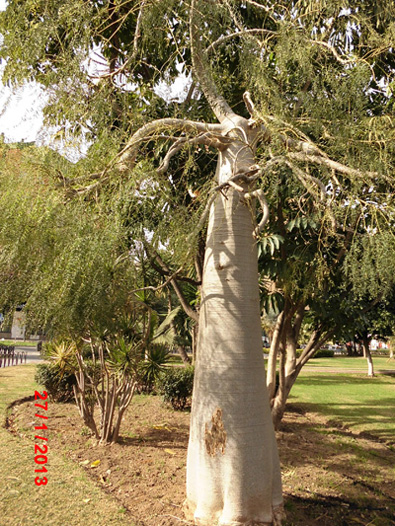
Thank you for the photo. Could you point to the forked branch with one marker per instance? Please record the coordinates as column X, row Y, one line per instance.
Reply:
column 265, row 208
column 237, row 34
column 127, row 155
column 189, row 310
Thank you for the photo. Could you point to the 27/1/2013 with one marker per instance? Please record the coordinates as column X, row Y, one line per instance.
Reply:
column 40, row 450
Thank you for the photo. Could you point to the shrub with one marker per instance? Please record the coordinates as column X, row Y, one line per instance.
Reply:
column 175, row 384
column 381, row 352
column 59, row 385
column 321, row 353
column 324, row 353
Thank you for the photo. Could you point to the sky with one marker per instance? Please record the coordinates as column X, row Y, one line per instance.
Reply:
column 21, row 115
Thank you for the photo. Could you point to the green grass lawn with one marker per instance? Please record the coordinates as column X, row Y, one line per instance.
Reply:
column 70, row 497
column 19, row 343
column 355, row 400
column 357, row 362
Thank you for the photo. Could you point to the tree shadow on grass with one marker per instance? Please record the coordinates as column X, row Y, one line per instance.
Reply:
column 354, row 410
column 333, row 476
column 351, row 378
column 333, row 511
column 354, row 415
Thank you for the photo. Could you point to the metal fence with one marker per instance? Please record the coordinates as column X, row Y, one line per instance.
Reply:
column 8, row 356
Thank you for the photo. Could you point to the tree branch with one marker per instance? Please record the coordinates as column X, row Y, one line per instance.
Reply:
column 137, row 32
column 127, row 156
column 302, row 176
column 259, row 6
column 218, row 104
column 316, row 340
column 159, row 287
column 224, row 38
column 333, row 165
column 265, row 208
column 184, row 303
column 306, row 145
column 209, row 139
column 333, row 51
column 299, row 315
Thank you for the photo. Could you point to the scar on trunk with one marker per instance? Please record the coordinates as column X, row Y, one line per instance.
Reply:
column 215, row 438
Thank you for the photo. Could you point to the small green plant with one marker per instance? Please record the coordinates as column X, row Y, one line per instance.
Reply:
column 175, row 385
column 85, row 431
column 155, row 362
column 107, row 378
column 60, row 354
column 58, row 375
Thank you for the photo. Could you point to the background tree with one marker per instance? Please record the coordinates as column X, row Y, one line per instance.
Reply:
column 74, row 267
column 306, row 259
column 370, row 269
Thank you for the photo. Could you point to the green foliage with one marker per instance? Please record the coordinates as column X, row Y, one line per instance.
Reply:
column 319, row 72
column 320, row 353
column 58, row 383
column 324, row 353
column 175, row 384
column 66, row 260
column 58, row 376
column 380, row 352
column 123, row 358
column 155, row 362
column 60, row 354
column 269, row 244
column 370, row 264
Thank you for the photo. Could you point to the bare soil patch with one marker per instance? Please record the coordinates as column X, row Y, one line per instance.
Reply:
column 331, row 476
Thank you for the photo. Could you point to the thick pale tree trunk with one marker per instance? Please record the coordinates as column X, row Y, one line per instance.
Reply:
column 195, row 330
column 273, row 353
column 367, row 354
column 233, row 472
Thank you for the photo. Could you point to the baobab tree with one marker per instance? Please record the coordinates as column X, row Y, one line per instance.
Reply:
column 233, row 471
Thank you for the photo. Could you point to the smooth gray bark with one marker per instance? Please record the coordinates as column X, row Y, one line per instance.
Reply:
column 233, row 471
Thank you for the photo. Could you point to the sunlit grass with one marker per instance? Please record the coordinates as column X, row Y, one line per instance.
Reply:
column 19, row 343
column 357, row 362
column 361, row 403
